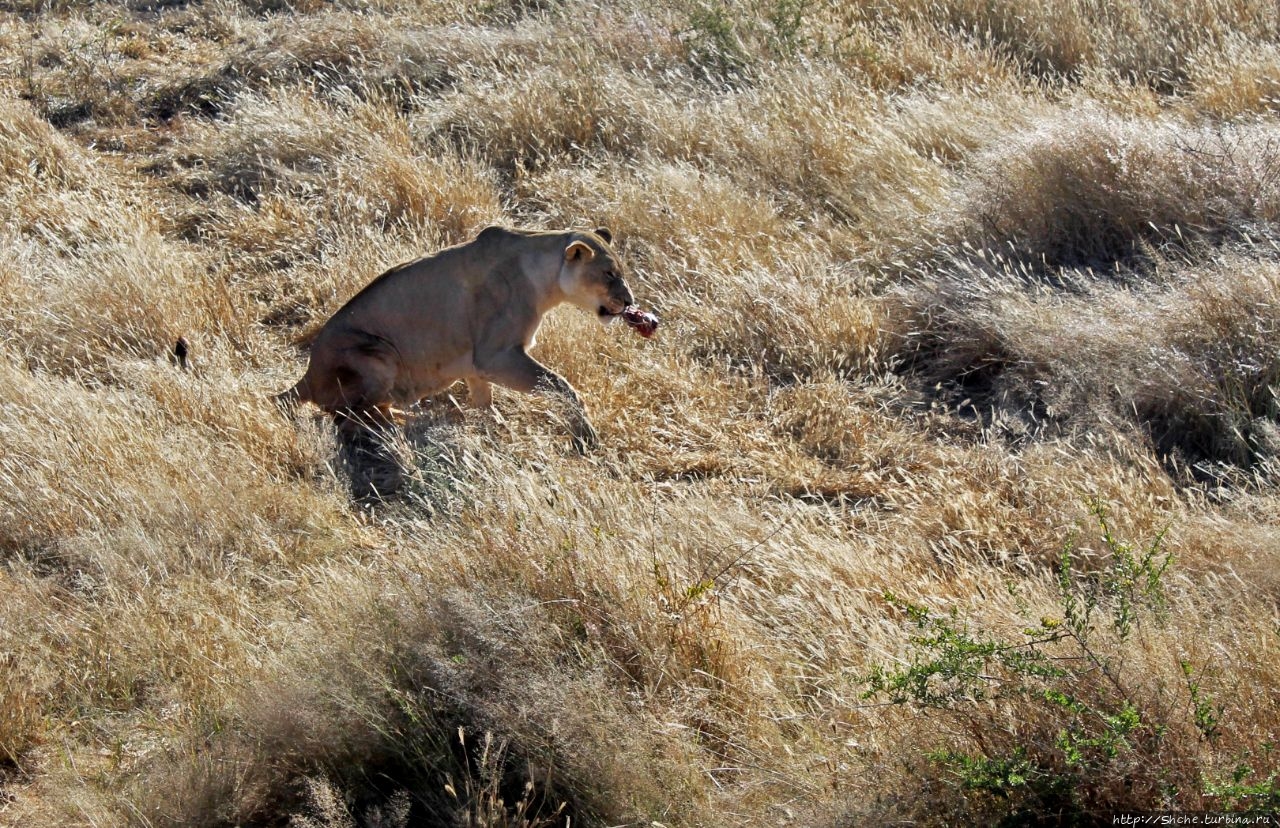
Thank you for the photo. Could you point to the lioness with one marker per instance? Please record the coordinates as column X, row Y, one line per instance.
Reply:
column 468, row 312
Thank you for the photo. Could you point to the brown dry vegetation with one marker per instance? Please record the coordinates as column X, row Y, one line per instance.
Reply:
column 948, row 288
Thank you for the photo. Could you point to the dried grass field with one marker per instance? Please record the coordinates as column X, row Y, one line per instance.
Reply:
column 947, row 493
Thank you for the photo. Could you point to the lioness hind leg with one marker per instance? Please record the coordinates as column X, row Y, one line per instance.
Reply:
column 353, row 382
column 374, row 419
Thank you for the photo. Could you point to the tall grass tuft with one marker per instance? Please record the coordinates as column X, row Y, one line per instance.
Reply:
column 938, row 281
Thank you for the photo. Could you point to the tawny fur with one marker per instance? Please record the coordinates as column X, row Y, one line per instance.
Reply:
column 468, row 312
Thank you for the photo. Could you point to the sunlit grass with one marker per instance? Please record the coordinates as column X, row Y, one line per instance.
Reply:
column 935, row 279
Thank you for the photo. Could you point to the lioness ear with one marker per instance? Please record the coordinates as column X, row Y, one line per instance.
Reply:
column 603, row 232
column 579, row 250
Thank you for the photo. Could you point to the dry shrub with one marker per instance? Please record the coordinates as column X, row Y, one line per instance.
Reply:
column 23, row 719
column 207, row 786
column 818, row 140
column 922, row 54
column 1242, row 81
column 304, row 174
column 130, row 297
column 1189, row 361
column 838, row 152
column 88, row 275
column 55, row 192
column 654, row 206
column 536, row 115
column 335, row 53
column 406, row 701
column 74, row 74
column 75, row 464
column 94, row 69
column 1095, row 190
column 21, row 722
column 1209, row 389
column 51, row 439
column 793, row 322
column 275, row 143
column 1150, row 43
column 342, row 49
column 955, row 130
column 1044, row 38
column 33, row 153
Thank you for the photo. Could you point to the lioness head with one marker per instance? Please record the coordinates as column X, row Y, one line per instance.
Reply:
column 591, row 276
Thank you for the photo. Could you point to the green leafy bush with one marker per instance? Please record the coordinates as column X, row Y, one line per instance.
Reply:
column 1058, row 720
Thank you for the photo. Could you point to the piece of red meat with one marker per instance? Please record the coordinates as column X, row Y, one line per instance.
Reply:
column 643, row 322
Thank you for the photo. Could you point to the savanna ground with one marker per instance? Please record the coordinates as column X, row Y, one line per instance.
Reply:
column 947, row 492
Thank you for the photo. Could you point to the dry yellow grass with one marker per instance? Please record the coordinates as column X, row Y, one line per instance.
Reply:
column 936, row 279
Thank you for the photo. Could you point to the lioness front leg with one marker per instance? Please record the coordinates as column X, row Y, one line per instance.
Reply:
column 481, row 393
column 516, row 370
